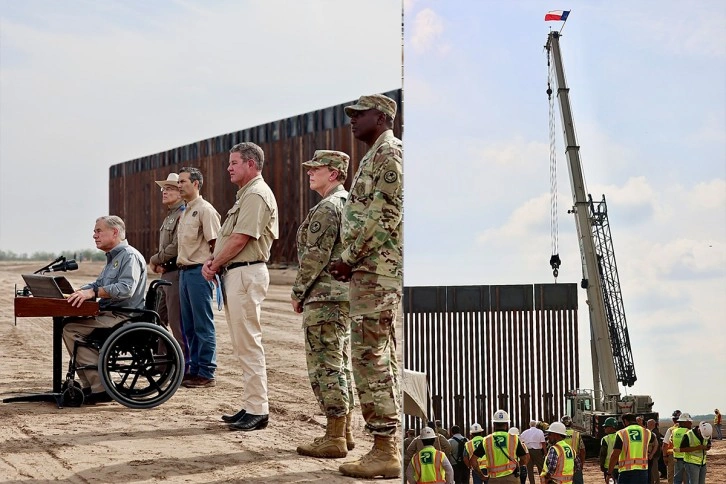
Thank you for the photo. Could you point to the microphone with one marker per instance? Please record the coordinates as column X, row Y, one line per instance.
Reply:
column 66, row 265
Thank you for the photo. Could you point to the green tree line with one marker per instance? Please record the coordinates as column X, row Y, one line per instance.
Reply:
column 79, row 255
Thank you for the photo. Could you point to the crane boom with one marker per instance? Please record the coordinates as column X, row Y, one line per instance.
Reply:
column 603, row 361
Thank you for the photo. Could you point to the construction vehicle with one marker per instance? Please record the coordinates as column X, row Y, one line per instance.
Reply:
column 612, row 359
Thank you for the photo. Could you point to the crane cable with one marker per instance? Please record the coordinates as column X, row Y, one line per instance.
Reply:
column 554, row 230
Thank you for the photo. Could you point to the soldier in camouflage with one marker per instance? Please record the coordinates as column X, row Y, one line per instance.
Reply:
column 324, row 304
column 372, row 260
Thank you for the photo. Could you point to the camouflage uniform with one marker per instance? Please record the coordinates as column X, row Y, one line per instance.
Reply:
column 326, row 321
column 372, row 232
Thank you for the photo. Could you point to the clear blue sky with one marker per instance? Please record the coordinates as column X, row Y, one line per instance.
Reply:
column 86, row 84
column 648, row 89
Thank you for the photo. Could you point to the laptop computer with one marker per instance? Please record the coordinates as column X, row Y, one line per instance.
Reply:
column 48, row 286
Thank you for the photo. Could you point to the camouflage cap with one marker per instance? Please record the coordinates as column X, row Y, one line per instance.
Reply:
column 384, row 104
column 337, row 160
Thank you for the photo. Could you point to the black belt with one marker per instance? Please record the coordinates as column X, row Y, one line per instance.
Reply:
column 182, row 267
column 235, row 265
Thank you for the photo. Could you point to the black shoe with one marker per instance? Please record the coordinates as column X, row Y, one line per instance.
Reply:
column 100, row 397
column 235, row 417
column 250, row 422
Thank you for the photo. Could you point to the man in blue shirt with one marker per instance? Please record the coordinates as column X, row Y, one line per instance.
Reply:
column 122, row 282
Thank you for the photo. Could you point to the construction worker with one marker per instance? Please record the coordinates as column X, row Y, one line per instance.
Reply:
column 679, row 467
column 440, row 443
column 504, row 452
column 561, row 461
column 522, row 468
column 694, row 445
column 606, row 447
column 668, row 445
column 633, row 447
column 477, row 466
column 717, row 424
column 574, row 438
column 429, row 465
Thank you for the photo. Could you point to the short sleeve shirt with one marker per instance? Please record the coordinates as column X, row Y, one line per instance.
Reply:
column 198, row 226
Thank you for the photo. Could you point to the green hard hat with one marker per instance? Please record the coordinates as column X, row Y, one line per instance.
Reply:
column 610, row 422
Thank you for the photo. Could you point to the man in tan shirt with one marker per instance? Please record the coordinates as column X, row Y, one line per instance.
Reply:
column 240, row 259
column 198, row 229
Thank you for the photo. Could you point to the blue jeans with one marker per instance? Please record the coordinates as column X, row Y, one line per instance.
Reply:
column 696, row 474
column 679, row 468
column 633, row 477
column 195, row 302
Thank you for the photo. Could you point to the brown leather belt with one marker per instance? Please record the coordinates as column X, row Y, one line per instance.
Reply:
column 235, row 265
column 182, row 267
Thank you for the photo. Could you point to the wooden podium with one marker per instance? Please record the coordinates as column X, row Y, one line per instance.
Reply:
column 58, row 309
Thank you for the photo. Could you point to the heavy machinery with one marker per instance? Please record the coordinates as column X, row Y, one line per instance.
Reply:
column 612, row 359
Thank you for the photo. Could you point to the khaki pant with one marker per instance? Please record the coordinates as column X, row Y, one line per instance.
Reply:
column 77, row 330
column 508, row 479
column 244, row 290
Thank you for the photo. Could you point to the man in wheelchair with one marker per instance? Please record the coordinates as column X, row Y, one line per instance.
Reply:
column 122, row 283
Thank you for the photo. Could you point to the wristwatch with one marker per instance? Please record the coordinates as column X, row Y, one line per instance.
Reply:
column 95, row 292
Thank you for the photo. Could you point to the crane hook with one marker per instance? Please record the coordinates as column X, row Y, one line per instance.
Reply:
column 555, row 262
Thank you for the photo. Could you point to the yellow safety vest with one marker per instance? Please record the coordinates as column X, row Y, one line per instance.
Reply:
column 428, row 467
column 634, row 454
column 469, row 446
column 676, row 438
column 697, row 457
column 669, row 448
column 495, row 445
column 609, row 440
column 573, row 439
column 565, row 469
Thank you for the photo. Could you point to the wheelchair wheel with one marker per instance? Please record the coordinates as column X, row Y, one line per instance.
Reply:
column 141, row 365
column 71, row 394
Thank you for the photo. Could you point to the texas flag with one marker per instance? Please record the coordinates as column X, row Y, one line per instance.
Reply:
column 560, row 15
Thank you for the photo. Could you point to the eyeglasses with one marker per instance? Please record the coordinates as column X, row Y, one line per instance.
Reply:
column 169, row 189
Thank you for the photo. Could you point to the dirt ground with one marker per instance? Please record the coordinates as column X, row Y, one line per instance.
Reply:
column 183, row 439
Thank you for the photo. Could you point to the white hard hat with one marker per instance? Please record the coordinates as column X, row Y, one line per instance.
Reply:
column 706, row 429
column 557, row 428
column 685, row 417
column 476, row 428
column 513, row 431
column 428, row 433
column 500, row 416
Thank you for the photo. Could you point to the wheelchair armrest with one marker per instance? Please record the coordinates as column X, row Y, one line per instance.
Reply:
column 158, row 282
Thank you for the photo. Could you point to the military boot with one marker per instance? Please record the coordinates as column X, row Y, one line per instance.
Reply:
column 331, row 445
column 383, row 460
column 349, row 442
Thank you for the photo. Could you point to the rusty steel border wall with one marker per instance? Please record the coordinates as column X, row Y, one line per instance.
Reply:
column 135, row 197
column 488, row 347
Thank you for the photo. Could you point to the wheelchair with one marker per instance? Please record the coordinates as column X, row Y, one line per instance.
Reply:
column 140, row 363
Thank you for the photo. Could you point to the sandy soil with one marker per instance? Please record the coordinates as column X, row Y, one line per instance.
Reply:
column 183, row 439
column 179, row 441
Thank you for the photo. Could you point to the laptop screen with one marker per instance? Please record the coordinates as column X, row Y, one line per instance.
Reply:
column 48, row 286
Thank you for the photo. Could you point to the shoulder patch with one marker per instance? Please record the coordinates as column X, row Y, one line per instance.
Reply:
column 390, row 176
column 315, row 227
column 194, row 213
